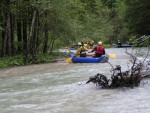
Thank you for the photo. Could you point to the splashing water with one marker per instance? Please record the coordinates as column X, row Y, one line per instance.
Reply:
column 61, row 88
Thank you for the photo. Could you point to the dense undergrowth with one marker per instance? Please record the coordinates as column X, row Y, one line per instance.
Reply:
column 18, row 59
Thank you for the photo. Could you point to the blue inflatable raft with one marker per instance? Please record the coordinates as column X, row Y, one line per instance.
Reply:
column 101, row 59
column 122, row 45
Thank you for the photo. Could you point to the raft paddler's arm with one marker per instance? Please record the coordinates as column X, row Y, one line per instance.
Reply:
column 93, row 49
column 77, row 52
column 86, row 48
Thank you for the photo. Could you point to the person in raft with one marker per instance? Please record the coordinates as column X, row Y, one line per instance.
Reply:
column 81, row 50
column 99, row 50
column 89, row 44
column 119, row 43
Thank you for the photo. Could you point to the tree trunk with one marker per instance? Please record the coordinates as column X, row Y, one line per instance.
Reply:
column 9, row 35
column 25, row 51
column 12, row 33
column 31, row 30
column 29, row 53
column 37, row 26
column 1, row 32
column 45, row 47
column 52, row 43
column 35, row 39
column 19, row 33
column 5, row 40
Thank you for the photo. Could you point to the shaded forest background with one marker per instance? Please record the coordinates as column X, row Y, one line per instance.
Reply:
column 32, row 27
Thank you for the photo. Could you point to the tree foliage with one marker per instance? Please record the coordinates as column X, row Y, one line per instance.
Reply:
column 138, row 16
column 29, row 27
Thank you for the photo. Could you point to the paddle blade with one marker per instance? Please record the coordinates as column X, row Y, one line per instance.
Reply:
column 112, row 55
column 68, row 60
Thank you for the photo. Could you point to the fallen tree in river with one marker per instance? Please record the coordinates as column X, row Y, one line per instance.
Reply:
column 129, row 78
column 120, row 79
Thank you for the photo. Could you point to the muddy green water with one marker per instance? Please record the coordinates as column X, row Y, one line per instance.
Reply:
column 60, row 88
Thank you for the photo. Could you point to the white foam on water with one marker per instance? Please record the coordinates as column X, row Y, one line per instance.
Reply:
column 63, row 89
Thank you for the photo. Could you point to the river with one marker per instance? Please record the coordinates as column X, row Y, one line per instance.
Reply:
column 60, row 88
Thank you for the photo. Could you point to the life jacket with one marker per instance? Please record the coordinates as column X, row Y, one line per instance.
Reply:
column 99, row 50
column 83, row 52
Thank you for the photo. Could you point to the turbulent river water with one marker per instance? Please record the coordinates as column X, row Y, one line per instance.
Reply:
column 60, row 88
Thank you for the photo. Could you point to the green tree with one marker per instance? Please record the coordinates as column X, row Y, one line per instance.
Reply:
column 137, row 16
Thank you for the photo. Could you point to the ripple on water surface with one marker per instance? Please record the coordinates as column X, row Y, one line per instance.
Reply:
column 62, row 89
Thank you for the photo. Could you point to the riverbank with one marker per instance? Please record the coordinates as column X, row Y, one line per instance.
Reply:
column 121, row 59
column 8, row 62
column 32, row 68
column 28, row 69
column 59, row 61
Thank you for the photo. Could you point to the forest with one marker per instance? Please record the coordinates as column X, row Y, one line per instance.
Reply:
column 30, row 28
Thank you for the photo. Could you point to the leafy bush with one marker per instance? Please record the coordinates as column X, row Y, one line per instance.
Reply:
column 18, row 60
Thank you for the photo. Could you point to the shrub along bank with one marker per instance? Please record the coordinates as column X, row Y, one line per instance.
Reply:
column 18, row 59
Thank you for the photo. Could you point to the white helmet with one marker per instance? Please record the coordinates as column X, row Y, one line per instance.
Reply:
column 79, row 44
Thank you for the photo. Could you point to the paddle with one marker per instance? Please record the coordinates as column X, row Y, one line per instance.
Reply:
column 68, row 60
column 112, row 55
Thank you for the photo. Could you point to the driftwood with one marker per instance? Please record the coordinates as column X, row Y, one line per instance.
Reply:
column 119, row 79
column 130, row 78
